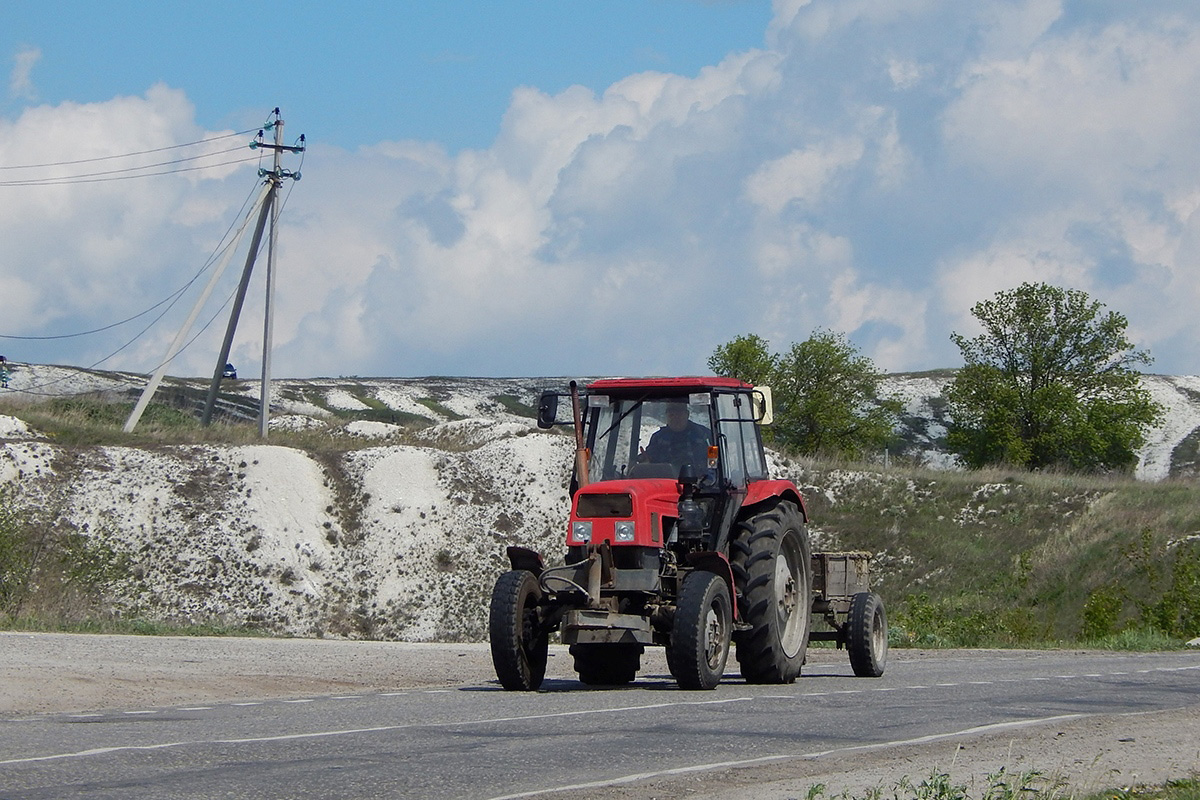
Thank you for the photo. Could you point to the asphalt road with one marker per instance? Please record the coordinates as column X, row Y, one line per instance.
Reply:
column 476, row 741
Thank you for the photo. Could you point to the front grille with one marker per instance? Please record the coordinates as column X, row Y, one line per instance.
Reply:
column 599, row 506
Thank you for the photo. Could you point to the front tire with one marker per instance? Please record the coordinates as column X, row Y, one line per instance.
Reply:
column 867, row 635
column 770, row 560
column 520, row 643
column 701, row 632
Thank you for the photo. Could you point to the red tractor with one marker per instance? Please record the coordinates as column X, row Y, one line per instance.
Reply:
column 679, row 537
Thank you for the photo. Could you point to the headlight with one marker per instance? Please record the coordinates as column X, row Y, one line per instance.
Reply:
column 624, row 530
column 581, row 532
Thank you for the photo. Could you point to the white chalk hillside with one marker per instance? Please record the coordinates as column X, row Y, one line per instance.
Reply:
column 395, row 540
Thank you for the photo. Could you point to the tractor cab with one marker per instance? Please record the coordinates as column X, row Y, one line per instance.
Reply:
column 636, row 430
column 680, row 452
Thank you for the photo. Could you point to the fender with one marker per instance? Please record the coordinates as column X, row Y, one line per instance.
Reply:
column 762, row 491
column 524, row 558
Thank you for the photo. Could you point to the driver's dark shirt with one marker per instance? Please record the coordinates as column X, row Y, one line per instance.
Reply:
column 689, row 446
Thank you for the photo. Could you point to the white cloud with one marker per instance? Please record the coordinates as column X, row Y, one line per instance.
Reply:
column 802, row 175
column 878, row 170
column 1093, row 111
column 20, row 80
column 905, row 74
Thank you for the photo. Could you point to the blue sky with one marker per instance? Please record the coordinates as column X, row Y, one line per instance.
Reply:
column 355, row 73
column 503, row 188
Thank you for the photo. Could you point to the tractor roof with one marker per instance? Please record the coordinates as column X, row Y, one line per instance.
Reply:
column 690, row 383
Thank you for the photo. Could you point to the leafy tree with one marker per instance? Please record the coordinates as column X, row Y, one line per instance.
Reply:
column 745, row 358
column 826, row 394
column 828, row 399
column 1049, row 382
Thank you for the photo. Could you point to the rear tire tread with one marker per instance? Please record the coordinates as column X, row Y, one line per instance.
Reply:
column 760, row 650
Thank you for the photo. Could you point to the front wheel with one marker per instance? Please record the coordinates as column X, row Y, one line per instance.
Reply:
column 520, row 643
column 867, row 635
column 701, row 632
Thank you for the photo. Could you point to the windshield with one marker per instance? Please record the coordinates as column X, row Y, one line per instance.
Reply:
column 649, row 438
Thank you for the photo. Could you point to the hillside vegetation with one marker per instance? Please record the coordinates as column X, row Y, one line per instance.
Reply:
column 383, row 510
column 1005, row 558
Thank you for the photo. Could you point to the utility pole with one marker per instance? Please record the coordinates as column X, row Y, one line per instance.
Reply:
column 277, row 175
column 264, row 408
column 270, row 206
column 236, row 313
column 274, row 180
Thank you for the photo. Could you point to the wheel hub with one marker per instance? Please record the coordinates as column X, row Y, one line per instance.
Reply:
column 714, row 637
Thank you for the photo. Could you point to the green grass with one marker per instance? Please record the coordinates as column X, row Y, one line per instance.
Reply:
column 515, row 407
column 437, row 408
column 138, row 627
column 1003, row 785
column 1009, row 559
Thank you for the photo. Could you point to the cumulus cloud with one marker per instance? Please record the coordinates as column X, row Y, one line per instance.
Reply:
column 877, row 169
column 20, row 80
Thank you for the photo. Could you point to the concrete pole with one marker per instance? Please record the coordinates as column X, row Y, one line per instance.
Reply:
column 236, row 313
column 177, row 343
column 264, row 411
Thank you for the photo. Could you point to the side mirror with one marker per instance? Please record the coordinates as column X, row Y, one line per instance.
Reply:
column 761, row 405
column 547, row 410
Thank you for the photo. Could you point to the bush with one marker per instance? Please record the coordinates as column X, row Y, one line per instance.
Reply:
column 51, row 573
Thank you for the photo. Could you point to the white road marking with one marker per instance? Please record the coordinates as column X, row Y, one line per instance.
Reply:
column 138, row 712
column 198, row 708
column 784, row 757
column 99, row 751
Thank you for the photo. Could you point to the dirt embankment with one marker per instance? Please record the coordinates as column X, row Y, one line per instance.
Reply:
column 50, row 673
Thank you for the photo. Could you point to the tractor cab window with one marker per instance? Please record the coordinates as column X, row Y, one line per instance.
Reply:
column 740, row 443
column 649, row 438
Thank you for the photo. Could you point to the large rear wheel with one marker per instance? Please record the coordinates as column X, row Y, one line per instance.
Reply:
column 701, row 631
column 770, row 560
column 520, row 643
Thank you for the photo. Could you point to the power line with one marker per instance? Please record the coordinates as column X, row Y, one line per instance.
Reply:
column 86, row 179
column 143, row 166
column 220, row 248
column 126, row 155
column 34, row 389
column 126, row 380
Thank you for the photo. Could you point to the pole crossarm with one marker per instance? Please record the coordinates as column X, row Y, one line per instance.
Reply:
column 290, row 148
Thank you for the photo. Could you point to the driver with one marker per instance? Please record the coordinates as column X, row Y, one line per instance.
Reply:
column 680, row 441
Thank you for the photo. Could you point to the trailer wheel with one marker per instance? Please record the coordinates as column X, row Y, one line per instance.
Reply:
column 867, row 635
column 520, row 644
column 607, row 664
column 770, row 561
column 701, row 632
